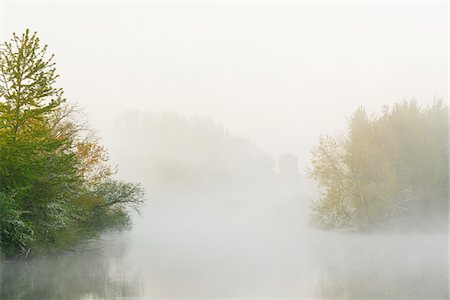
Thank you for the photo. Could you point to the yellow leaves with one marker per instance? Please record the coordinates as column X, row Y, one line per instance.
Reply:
column 93, row 160
column 391, row 165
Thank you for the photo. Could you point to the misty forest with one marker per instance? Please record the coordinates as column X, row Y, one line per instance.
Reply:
column 189, row 208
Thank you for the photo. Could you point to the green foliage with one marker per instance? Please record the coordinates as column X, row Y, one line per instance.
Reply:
column 390, row 169
column 46, row 164
column 109, row 202
column 15, row 233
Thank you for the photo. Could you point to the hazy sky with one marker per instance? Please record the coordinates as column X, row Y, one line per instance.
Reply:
column 281, row 74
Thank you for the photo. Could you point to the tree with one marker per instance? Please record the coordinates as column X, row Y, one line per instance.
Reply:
column 332, row 175
column 389, row 169
column 35, row 166
column 49, row 160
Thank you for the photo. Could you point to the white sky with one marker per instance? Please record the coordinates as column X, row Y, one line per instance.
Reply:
column 281, row 74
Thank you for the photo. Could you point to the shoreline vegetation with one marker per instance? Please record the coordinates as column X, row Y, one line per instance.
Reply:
column 388, row 172
column 56, row 186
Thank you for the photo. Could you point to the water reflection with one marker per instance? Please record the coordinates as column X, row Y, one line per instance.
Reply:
column 230, row 243
column 392, row 266
column 99, row 270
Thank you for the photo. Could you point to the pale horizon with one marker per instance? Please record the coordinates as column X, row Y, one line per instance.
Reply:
column 279, row 74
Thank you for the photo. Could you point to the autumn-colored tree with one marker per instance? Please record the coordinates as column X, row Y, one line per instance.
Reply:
column 48, row 159
column 389, row 169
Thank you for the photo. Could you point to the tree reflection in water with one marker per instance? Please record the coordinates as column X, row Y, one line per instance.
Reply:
column 94, row 271
column 393, row 266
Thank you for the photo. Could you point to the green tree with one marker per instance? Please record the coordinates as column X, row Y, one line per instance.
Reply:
column 48, row 159
column 34, row 164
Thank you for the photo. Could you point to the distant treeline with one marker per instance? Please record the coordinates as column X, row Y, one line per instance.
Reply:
column 56, row 186
column 170, row 149
column 389, row 170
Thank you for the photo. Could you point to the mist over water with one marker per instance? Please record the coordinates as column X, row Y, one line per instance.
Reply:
column 216, row 232
column 215, row 108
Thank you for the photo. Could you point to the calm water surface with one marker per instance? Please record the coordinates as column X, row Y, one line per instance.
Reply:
column 194, row 244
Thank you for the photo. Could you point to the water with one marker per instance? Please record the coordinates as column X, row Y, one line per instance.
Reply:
column 235, row 244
